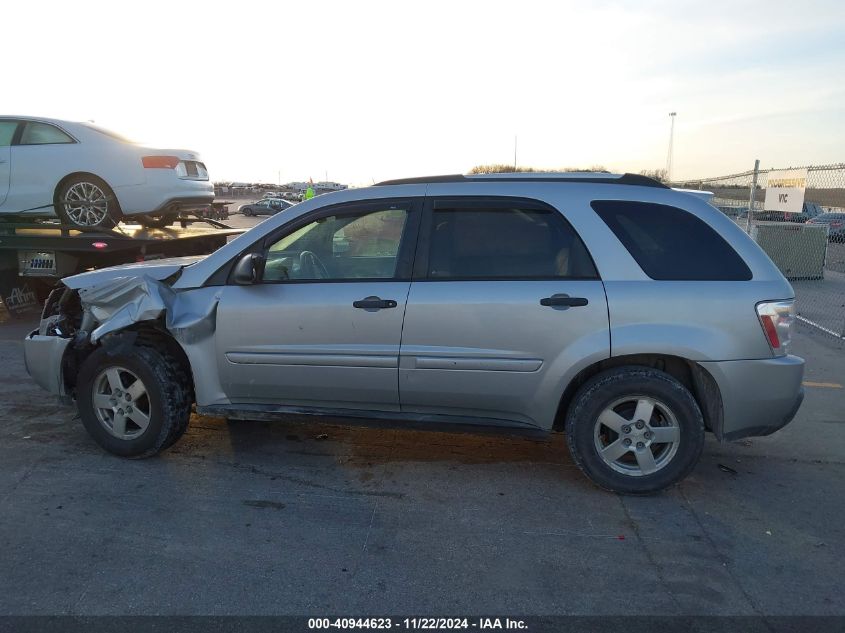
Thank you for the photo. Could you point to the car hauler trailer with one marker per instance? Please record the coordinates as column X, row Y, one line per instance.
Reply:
column 34, row 255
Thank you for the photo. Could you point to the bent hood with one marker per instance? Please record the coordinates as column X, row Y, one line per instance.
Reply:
column 157, row 269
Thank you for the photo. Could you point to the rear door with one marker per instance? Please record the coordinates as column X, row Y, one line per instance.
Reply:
column 322, row 327
column 7, row 132
column 505, row 301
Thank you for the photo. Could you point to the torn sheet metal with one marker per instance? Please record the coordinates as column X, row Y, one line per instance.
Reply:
column 193, row 315
column 122, row 301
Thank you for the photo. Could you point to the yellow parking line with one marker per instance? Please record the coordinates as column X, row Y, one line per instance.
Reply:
column 828, row 385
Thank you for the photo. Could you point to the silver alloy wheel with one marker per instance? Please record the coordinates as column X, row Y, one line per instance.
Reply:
column 86, row 204
column 637, row 435
column 121, row 403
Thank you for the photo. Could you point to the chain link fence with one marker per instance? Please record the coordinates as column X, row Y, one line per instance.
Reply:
column 808, row 247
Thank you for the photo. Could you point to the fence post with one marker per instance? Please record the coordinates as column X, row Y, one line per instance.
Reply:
column 751, row 196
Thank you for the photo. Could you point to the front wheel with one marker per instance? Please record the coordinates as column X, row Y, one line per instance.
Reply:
column 134, row 403
column 635, row 430
column 88, row 201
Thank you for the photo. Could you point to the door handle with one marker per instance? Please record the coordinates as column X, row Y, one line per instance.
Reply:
column 564, row 301
column 374, row 303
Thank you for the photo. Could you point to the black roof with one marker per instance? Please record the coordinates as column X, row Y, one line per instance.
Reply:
column 625, row 179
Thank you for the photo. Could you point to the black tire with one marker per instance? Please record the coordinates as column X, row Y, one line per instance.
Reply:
column 112, row 215
column 169, row 399
column 155, row 221
column 614, row 385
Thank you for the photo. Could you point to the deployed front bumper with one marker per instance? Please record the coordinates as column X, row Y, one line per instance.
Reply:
column 758, row 396
column 43, row 356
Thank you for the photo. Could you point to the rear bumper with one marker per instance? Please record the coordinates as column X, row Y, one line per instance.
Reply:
column 43, row 356
column 759, row 397
column 164, row 193
column 189, row 203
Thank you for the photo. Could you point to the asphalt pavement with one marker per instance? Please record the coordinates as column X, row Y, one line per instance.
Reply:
column 291, row 518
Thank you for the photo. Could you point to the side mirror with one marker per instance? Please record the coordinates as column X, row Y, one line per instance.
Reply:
column 248, row 269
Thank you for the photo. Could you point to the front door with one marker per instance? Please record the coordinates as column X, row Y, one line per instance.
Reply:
column 322, row 327
column 505, row 301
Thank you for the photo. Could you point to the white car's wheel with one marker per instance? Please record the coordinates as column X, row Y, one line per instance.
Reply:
column 88, row 201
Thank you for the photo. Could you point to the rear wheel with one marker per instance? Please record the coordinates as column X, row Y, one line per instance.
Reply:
column 635, row 430
column 135, row 402
column 86, row 200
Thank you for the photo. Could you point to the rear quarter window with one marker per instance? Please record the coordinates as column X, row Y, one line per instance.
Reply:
column 36, row 133
column 671, row 244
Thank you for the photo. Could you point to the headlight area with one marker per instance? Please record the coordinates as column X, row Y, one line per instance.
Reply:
column 62, row 314
column 55, row 351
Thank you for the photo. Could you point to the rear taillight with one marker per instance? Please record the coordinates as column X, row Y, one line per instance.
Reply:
column 192, row 169
column 836, row 225
column 776, row 318
column 160, row 162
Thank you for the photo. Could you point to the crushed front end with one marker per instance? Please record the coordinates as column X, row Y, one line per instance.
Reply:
column 45, row 348
column 74, row 321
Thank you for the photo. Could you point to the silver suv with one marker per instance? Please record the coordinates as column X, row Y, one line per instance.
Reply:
column 628, row 314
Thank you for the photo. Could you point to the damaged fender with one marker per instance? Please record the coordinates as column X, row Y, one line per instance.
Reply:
column 117, row 304
column 190, row 317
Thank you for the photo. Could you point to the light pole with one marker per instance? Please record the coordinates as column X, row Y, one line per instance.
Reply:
column 671, row 141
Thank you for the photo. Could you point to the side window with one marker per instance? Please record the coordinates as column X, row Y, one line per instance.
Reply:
column 35, row 133
column 357, row 245
column 505, row 243
column 671, row 244
column 7, row 131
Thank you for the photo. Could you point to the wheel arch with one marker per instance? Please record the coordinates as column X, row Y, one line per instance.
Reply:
column 693, row 376
column 147, row 333
column 77, row 174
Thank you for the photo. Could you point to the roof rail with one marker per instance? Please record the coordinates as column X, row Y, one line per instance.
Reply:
column 578, row 177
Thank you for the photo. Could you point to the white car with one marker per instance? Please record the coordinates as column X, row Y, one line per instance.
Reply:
column 92, row 177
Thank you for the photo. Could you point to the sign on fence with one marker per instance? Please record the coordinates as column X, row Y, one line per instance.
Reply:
column 785, row 190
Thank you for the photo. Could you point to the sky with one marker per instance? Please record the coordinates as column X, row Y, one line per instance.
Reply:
column 366, row 91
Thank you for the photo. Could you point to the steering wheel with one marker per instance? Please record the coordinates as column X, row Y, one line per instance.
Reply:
column 310, row 266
